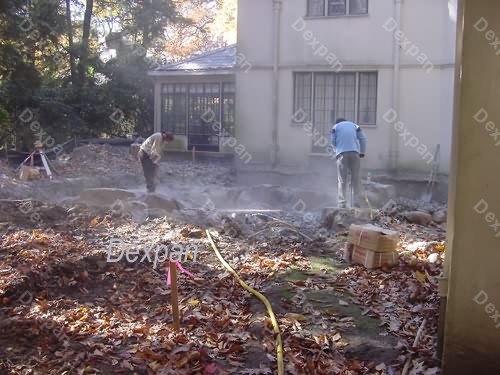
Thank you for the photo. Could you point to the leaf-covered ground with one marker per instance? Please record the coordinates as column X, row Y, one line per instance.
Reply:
column 64, row 309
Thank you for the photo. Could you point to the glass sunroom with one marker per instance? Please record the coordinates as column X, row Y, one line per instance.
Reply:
column 195, row 99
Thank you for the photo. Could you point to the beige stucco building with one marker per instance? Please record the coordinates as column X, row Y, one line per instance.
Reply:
column 386, row 64
column 364, row 60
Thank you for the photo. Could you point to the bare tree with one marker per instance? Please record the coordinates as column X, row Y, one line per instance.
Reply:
column 71, row 47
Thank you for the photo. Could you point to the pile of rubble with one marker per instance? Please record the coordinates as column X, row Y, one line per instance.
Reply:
column 5, row 170
column 92, row 160
column 10, row 186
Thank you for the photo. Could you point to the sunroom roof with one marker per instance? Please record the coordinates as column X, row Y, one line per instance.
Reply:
column 219, row 59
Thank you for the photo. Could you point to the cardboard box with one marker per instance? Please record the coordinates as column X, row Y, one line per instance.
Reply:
column 29, row 173
column 373, row 259
column 372, row 237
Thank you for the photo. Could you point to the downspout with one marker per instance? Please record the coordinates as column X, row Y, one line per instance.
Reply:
column 277, row 4
column 394, row 143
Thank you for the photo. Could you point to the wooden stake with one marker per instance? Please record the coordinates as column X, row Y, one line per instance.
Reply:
column 419, row 334
column 194, row 153
column 175, row 296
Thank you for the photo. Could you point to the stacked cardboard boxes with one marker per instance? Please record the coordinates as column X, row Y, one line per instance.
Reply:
column 372, row 246
column 29, row 173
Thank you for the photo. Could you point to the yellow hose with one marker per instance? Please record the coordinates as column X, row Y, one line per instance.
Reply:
column 262, row 298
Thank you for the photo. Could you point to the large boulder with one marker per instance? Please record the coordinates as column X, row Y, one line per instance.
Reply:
column 440, row 216
column 135, row 209
column 104, row 196
column 341, row 218
column 156, row 213
column 379, row 195
column 418, row 217
column 161, row 202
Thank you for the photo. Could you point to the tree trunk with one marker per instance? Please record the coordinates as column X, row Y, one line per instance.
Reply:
column 69, row 25
column 84, row 51
column 145, row 27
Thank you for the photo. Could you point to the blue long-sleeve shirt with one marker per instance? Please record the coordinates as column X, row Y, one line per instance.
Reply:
column 347, row 136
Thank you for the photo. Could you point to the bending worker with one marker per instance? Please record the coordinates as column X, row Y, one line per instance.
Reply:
column 349, row 142
column 150, row 155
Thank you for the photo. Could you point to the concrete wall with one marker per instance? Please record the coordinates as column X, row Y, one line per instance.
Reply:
column 472, row 329
column 254, row 113
column 360, row 43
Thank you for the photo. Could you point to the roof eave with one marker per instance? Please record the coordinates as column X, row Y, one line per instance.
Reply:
column 164, row 73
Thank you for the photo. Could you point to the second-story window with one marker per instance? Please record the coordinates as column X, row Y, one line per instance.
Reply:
column 315, row 8
column 318, row 8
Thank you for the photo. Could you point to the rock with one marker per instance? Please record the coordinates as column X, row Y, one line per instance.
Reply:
column 378, row 194
column 135, row 206
column 289, row 235
column 104, row 196
column 231, row 228
column 192, row 232
column 156, row 213
column 414, row 246
column 433, row 258
column 336, row 218
column 158, row 201
column 418, row 217
column 138, row 211
column 406, row 204
column 52, row 213
column 440, row 216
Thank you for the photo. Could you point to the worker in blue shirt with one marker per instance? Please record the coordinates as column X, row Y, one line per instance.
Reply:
column 349, row 143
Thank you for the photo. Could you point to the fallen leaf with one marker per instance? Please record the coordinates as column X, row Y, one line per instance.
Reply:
column 293, row 316
column 420, row 277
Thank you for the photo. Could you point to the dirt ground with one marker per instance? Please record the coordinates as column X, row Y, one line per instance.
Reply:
column 66, row 307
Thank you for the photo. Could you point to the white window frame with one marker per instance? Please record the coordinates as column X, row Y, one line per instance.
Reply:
column 356, row 97
column 346, row 14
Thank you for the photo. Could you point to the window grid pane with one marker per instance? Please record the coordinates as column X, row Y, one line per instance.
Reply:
column 335, row 96
column 324, row 105
column 302, row 97
column 336, row 7
column 228, row 109
column 346, row 96
column 367, row 109
column 204, row 97
column 315, row 8
column 174, row 108
column 358, row 6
